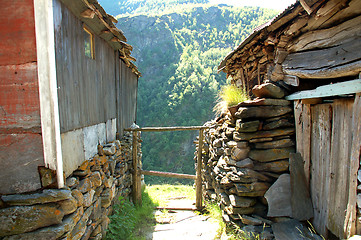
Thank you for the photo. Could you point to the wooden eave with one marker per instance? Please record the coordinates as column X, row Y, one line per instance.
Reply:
column 102, row 24
column 286, row 32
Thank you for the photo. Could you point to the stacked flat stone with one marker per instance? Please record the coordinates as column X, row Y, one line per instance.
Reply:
column 81, row 209
column 244, row 154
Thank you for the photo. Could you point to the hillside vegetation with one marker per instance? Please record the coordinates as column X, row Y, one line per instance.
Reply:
column 178, row 45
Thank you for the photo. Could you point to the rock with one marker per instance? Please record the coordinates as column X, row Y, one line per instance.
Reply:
column 52, row 232
column 268, row 90
column 217, row 143
column 85, row 185
column 109, row 150
column 95, row 179
column 48, row 177
column 78, row 196
column 275, row 166
column 72, row 182
column 255, row 189
column 238, row 210
column 98, row 237
column 107, row 197
column 82, row 173
column 229, row 131
column 112, row 164
column 228, row 151
column 258, row 140
column 88, row 198
column 68, row 206
column 224, row 199
column 20, row 219
column 226, row 182
column 239, row 153
column 79, row 229
column 237, row 201
column 279, row 197
column 265, row 221
column 232, row 144
column 237, row 136
column 47, row 196
column 300, row 196
column 265, row 102
column 262, row 111
column 84, row 166
column 248, row 220
column 294, row 230
column 246, row 175
column 251, row 126
column 108, row 182
column 270, row 154
column 281, row 123
column 282, row 143
column 245, row 163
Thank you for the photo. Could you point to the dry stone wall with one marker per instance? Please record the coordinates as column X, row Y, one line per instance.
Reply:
column 245, row 153
column 81, row 209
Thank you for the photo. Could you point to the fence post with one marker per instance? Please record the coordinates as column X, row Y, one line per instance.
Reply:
column 199, row 172
column 137, row 191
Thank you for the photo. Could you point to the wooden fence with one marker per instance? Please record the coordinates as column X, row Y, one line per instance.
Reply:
column 137, row 191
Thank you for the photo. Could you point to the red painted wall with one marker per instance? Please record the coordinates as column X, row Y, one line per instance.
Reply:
column 21, row 150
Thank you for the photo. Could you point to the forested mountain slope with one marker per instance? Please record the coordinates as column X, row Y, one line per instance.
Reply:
column 178, row 45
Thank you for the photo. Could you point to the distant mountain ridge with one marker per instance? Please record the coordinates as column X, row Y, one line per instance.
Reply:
column 178, row 51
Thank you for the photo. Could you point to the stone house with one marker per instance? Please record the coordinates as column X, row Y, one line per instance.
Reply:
column 311, row 52
column 68, row 88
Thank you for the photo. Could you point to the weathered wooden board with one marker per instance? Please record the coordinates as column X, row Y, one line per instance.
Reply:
column 338, row 61
column 327, row 37
column 300, row 196
column 321, row 116
column 339, row 175
column 341, row 88
column 303, row 135
column 20, row 157
column 86, row 87
column 128, row 98
column 350, row 220
column 17, row 38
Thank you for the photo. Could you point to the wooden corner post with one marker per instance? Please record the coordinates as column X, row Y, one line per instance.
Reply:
column 199, row 172
column 137, row 189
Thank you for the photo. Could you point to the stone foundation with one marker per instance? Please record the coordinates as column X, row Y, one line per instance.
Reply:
column 244, row 154
column 81, row 209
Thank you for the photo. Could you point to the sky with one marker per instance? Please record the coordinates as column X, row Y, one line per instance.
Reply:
column 274, row 4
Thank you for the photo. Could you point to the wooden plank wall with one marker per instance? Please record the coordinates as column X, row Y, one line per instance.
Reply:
column 86, row 87
column 127, row 97
column 325, row 136
column 321, row 125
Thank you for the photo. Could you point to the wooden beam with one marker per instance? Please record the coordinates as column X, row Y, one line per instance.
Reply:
column 338, row 61
column 164, row 129
column 350, row 218
column 168, row 174
column 335, row 89
column 89, row 13
column 137, row 190
column 199, row 172
column 48, row 92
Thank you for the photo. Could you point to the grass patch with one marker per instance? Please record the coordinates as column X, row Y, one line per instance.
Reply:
column 229, row 96
column 132, row 222
column 160, row 194
column 224, row 231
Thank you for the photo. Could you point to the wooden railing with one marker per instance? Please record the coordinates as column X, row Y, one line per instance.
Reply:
column 137, row 172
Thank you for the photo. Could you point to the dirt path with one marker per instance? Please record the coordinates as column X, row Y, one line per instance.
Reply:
column 180, row 225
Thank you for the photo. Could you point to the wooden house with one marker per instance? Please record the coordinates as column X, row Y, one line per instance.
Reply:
column 312, row 49
column 67, row 84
